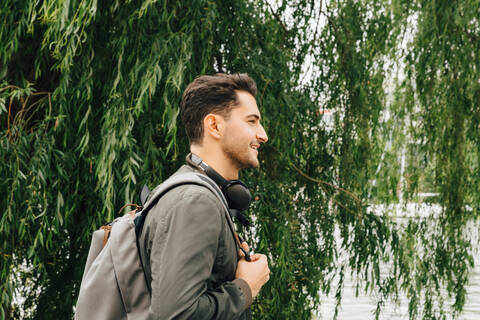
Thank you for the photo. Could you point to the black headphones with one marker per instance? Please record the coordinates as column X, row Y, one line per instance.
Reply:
column 235, row 191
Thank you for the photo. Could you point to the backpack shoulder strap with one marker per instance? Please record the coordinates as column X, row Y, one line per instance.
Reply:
column 188, row 178
column 175, row 181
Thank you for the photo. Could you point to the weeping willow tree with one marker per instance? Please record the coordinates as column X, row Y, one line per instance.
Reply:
column 89, row 95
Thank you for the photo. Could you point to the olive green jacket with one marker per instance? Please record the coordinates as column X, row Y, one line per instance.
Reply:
column 190, row 257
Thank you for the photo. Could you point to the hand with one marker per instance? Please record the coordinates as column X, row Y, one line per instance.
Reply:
column 256, row 272
column 246, row 248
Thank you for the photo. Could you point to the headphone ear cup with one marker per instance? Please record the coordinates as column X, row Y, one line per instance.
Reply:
column 236, row 192
column 238, row 195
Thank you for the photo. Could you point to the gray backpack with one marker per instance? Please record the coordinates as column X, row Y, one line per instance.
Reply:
column 113, row 284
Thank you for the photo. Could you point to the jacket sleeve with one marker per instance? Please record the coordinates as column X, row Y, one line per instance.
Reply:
column 182, row 257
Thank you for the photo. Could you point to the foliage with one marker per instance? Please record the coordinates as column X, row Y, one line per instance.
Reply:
column 89, row 94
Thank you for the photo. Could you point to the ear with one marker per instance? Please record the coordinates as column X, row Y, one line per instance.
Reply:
column 213, row 125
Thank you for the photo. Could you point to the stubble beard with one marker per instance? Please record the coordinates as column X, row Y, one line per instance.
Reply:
column 240, row 159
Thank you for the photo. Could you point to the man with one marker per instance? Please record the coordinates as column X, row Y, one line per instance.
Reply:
column 191, row 259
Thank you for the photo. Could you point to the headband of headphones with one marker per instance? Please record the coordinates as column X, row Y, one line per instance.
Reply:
column 235, row 191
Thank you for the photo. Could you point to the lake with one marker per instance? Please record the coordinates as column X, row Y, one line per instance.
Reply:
column 363, row 306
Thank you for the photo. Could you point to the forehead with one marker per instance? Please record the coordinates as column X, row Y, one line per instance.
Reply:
column 247, row 105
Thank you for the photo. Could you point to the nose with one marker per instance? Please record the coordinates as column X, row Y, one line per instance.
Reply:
column 262, row 135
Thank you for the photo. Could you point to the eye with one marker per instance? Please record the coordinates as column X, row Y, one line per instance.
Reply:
column 253, row 121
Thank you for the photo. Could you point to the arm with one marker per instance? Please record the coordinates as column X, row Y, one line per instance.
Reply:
column 182, row 257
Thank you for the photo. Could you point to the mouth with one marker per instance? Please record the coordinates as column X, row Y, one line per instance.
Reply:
column 255, row 147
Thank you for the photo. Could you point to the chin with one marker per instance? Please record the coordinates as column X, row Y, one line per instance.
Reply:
column 243, row 161
column 254, row 163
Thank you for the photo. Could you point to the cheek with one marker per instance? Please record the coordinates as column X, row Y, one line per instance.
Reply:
column 239, row 132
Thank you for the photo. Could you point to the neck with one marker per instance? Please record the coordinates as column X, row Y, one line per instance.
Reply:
column 217, row 160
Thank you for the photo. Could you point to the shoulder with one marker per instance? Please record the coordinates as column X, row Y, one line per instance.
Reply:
column 191, row 194
column 186, row 207
column 187, row 199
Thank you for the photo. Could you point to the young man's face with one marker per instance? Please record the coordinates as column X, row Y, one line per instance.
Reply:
column 243, row 132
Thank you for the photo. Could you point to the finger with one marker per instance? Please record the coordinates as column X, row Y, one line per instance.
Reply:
column 255, row 257
column 261, row 256
column 245, row 246
column 241, row 254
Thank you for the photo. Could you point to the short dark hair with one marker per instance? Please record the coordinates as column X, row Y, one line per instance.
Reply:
column 211, row 94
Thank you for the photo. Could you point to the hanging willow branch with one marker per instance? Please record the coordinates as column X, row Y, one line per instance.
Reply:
column 89, row 100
